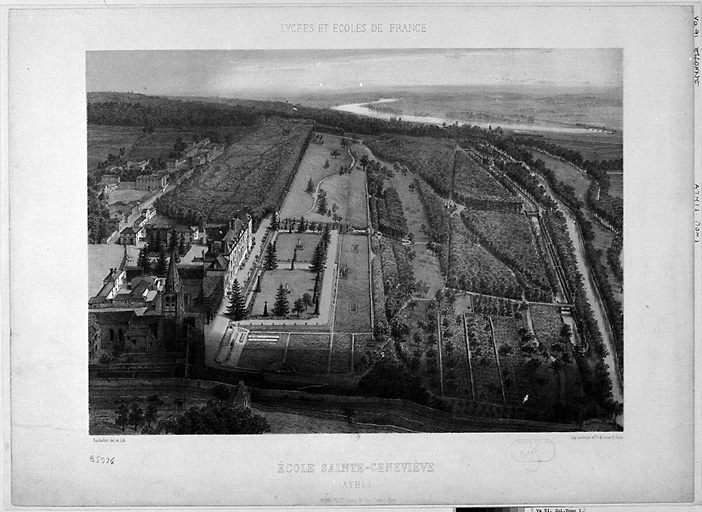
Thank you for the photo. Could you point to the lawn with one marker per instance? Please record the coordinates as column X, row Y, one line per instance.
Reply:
column 103, row 140
column 297, row 282
column 565, row 173
column 299, row 202
column 305, row 242
column 603, row 241
column 427, row 269
column 412, row 206
column 352, row 313
column 616, row 185
column 348, row 193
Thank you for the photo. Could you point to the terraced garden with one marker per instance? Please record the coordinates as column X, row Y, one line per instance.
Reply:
column 341, row 354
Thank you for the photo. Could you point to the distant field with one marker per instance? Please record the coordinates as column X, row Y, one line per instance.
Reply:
column 565, row 173
column 251, row 174
column 598, row 146
column 353, row 299
column 103, row 140
column 299, row 202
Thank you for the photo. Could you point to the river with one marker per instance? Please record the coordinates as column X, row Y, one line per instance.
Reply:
column 363, row 109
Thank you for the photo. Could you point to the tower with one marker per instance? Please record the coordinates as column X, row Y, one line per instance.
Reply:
column 172, row 308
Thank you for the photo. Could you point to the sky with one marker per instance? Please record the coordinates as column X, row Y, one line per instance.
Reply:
column 263, row 73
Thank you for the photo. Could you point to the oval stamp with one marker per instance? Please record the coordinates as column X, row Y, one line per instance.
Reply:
column 533, row 451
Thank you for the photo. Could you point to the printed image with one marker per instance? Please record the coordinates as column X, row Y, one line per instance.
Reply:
column 355, row 241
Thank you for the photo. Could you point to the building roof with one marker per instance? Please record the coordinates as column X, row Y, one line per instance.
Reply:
column 106, row 316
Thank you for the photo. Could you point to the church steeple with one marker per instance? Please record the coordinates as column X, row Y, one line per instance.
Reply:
column 173, row 282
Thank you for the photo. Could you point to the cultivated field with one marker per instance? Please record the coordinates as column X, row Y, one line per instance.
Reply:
column 352, row 312
column 103, row 140
column 509, row 236
column 471, row 180
column 473, row 268
column 300, row 203
column 432, row 159
column 297, row 282
column 595, row 146
column 547, row 323
column 251, row 174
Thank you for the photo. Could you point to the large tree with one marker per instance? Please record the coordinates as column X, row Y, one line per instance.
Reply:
column 162, row 264
column 237, row 311
column 136, row 416
column 298, row 306
column 143, row 260
column 216, row 418
column 322, row 202
column 271, row 260
column 151, row 414
column 121, row 416
column 318, row 257
column 281, row 306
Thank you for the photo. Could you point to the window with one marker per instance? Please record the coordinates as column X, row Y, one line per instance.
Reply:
column 121, row 335
column 112, row 335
